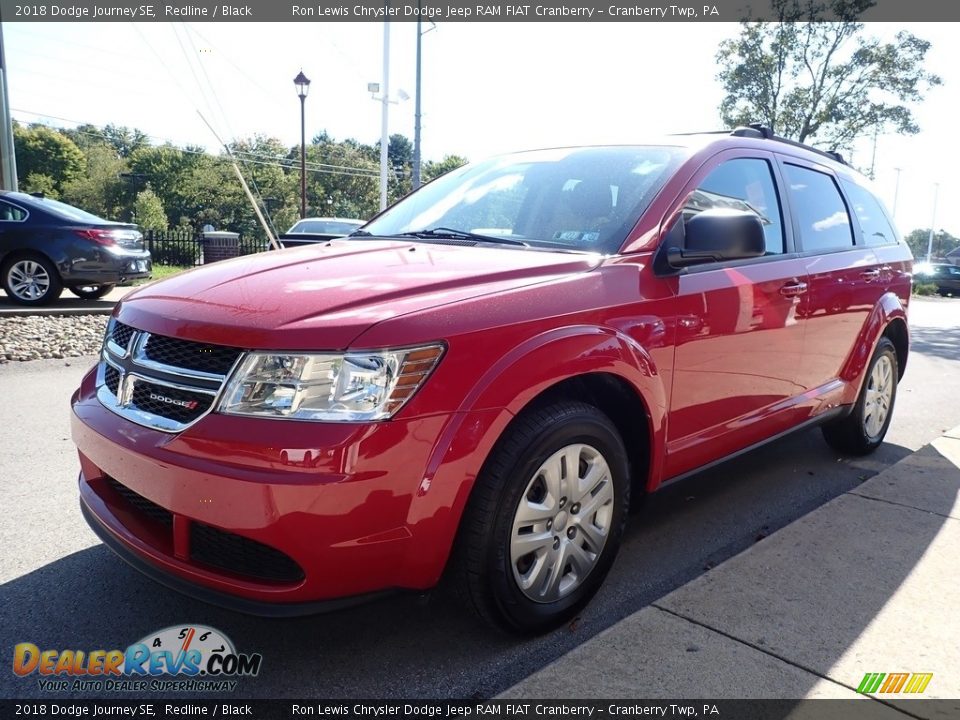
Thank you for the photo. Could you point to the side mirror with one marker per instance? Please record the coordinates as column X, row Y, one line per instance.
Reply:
column 719, row 234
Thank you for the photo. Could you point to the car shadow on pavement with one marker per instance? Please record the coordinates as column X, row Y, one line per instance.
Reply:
column 940, row 342
column 407, row 646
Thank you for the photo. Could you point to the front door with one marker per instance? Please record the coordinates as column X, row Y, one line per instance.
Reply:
column 739, row 336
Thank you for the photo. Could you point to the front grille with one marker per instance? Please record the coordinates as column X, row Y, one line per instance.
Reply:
column 111, row 378
column 199, row 357
column 141, row 504
column 164, row 401
column 161, row 382
column 241, row 555
column 120, row 333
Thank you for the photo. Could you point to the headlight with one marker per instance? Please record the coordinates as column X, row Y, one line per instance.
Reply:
column 333, row 388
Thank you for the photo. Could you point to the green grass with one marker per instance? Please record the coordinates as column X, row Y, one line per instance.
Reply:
column 163, row 271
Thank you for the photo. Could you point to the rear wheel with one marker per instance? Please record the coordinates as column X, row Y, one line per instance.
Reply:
column 31, row 280
column 546, row 518
column 862, row 431
column 92, row 292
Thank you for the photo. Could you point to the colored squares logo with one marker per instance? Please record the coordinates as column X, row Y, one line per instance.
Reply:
column 912, row 683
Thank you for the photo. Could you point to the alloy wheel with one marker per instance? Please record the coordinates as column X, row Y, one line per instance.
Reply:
column 28, row 280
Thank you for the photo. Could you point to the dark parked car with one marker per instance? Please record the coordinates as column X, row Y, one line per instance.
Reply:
column 945, row 276
column 47, row 245
column 311, row 231
column 483, row 379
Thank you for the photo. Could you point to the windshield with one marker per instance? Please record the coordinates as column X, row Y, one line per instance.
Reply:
column 326, row 227
column 579, row 199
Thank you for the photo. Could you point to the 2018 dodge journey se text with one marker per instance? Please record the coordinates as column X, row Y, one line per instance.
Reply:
column 479, row 382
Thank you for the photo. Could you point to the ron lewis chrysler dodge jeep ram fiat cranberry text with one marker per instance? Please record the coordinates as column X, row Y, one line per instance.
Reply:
column 482, row 379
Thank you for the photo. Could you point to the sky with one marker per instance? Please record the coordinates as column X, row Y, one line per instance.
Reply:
column 487, row 88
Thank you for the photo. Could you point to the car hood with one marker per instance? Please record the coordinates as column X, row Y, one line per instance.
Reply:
column 323, row 297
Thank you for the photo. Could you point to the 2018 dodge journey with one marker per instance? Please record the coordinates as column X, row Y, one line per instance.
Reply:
column 482, row 379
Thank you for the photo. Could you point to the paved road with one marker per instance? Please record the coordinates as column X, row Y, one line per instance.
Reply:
column 66, row 304
column 61, row 589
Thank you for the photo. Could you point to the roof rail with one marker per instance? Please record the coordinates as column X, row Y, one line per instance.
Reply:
column 701, row 132
column 760, row 131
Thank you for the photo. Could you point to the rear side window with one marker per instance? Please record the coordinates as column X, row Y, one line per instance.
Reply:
column 11, row 213
column 819, row 209
column 873, row 221
column 742, row 184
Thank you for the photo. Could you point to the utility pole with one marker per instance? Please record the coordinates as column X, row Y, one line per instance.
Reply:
column 416, row 110
column 933, row 221
column 384, row 133
column 8, row 160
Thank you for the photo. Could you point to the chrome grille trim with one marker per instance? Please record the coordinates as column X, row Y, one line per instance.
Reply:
column 135, row 369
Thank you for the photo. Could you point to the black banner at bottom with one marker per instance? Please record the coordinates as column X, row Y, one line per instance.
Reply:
column 861, row 708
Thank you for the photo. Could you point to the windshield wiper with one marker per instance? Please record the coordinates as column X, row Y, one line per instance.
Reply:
column 360, row 233
column 452, row 233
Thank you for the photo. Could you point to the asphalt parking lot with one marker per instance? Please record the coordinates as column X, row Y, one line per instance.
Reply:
column 62, row 589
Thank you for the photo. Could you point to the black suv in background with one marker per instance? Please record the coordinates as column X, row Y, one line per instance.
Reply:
column 47, row 245
column 944, row 275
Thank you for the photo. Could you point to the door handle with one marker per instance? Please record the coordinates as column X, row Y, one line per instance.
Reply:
column 871, row 274
column 793, row 289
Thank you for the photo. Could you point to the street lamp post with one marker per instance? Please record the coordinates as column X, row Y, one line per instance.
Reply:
column 303, row 87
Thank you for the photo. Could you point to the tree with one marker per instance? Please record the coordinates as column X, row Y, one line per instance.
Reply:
column 44, row 151
column 148, row 211
column 943, row 242
column 100, row 190
column 125, row 140
column 808, row 78
column 41, row 184
column 433, row 169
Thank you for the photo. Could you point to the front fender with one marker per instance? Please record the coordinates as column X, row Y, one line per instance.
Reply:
column 502, row 392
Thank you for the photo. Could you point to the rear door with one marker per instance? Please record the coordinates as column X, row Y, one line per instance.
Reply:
column 845, row 276
column 739, row 338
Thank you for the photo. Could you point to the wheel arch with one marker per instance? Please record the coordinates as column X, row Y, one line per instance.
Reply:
column 887, row 319
column 595, row 365
column 896, row 330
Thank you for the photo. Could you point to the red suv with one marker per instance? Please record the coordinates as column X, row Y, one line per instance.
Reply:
column 483, row 378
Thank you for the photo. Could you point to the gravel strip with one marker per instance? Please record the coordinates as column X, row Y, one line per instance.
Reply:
column 45, row 336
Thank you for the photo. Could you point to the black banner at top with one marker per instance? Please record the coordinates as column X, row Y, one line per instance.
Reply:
column 463, row 11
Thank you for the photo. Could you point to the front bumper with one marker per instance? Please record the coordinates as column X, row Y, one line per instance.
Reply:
column 345, row 504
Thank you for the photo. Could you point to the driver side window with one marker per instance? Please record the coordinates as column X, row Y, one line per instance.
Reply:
column 742, row 184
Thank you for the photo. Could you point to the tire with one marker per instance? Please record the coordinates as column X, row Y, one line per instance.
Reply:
column 514, row 507
column 862, row 431
column 92, row 292
column 31, row 280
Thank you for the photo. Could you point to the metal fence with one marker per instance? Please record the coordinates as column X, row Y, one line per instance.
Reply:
column 184, row 248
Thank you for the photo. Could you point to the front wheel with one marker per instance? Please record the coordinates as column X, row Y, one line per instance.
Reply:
column 545, row 519
column 92, row 292
column 862, row 431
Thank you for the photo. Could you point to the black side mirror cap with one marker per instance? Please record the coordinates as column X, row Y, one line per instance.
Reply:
column 717, row 235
